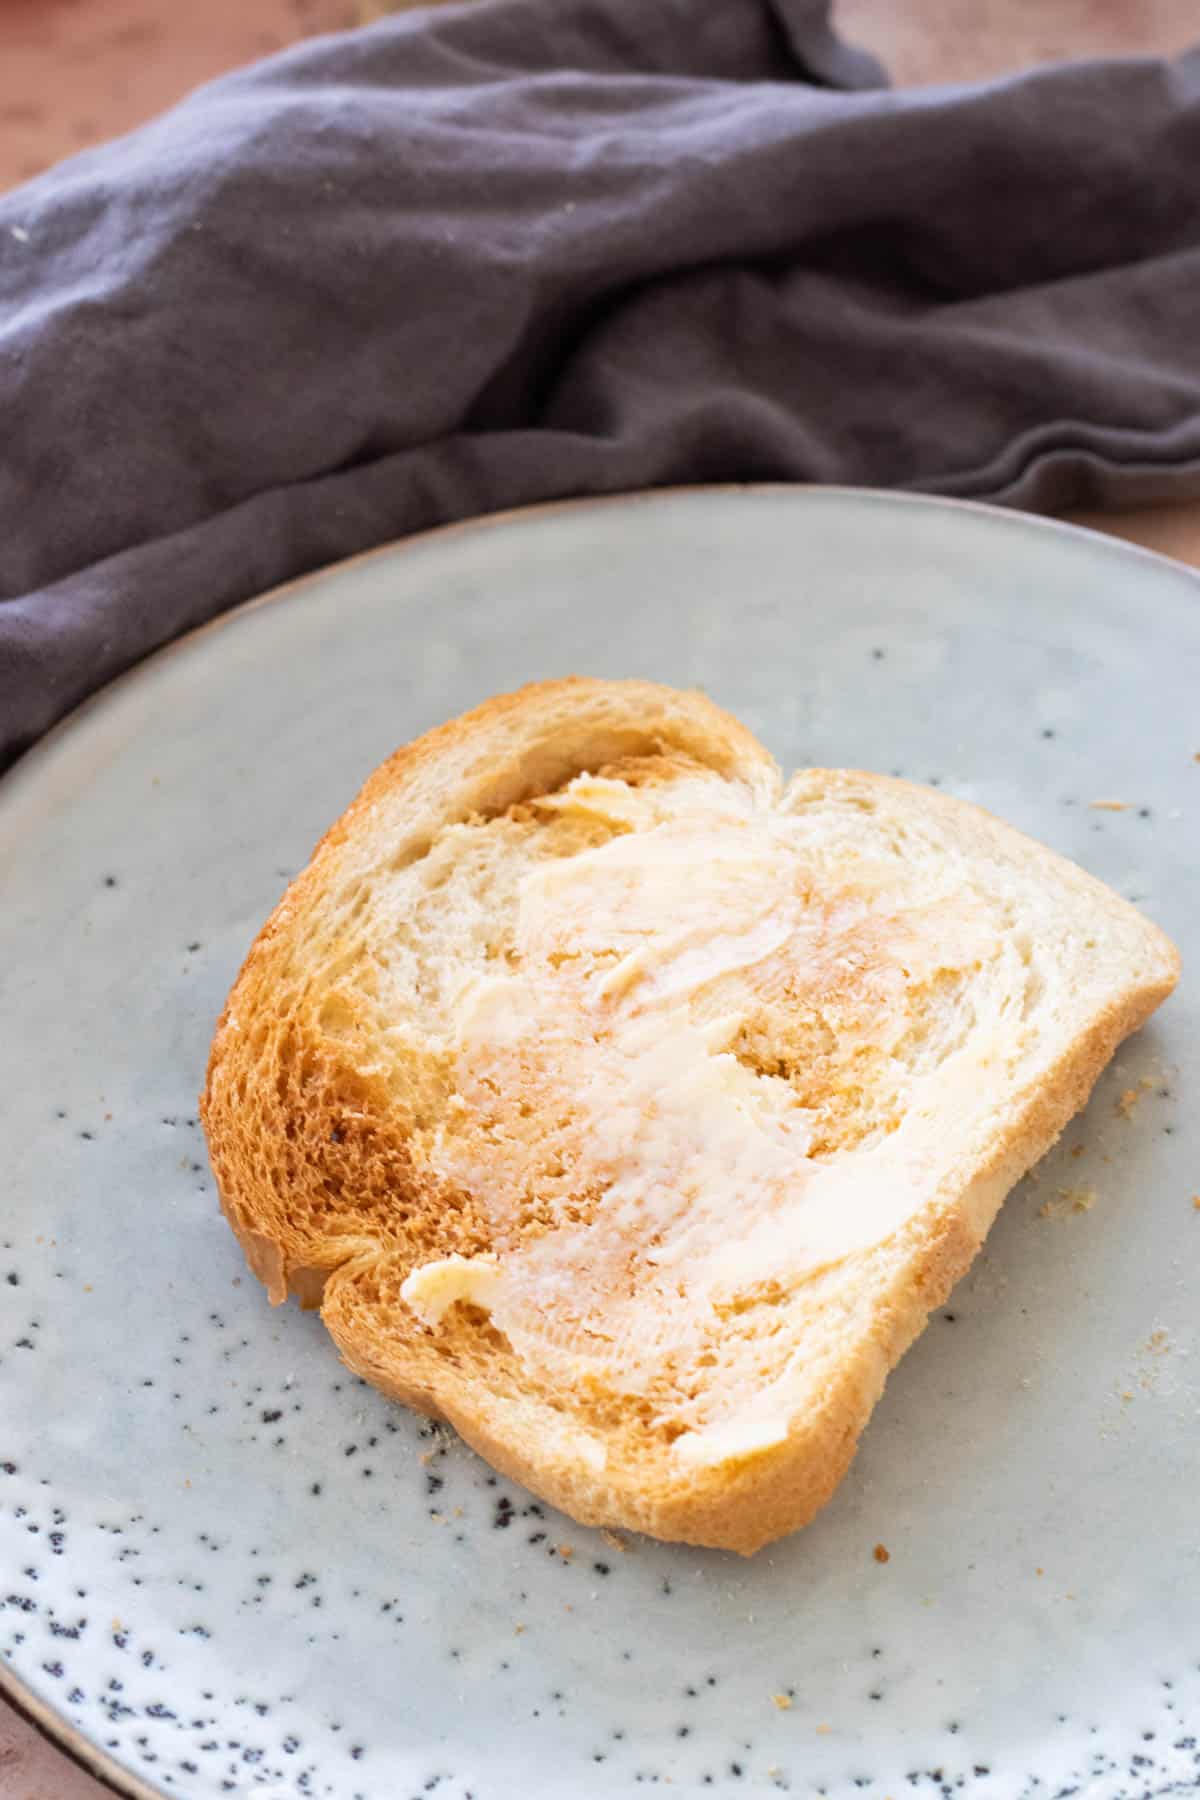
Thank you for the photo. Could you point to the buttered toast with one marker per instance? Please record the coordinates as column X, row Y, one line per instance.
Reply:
column 631, row 1109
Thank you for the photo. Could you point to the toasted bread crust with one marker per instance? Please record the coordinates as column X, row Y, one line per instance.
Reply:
column 318, row 1178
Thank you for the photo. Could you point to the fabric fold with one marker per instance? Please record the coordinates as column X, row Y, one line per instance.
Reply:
column 518, row 250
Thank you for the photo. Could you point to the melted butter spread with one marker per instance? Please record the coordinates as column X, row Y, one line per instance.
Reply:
column 436, row 1286
column 734, row 1442
column 649, row 1160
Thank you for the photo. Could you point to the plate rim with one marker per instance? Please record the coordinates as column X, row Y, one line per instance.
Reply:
column 73, row 1743
column 1019, row 520
column 45, row 1719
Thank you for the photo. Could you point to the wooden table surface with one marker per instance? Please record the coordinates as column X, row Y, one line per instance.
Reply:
column 74, row 72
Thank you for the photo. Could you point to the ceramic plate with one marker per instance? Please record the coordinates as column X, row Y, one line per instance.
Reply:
column 228, row 1567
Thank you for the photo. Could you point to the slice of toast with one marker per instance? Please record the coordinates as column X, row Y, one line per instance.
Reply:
column 631, row 1110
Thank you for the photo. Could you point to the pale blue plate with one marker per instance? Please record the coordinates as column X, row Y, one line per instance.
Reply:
column 227, row 1567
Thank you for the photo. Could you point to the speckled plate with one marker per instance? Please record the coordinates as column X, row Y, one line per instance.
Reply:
column 228, row 1567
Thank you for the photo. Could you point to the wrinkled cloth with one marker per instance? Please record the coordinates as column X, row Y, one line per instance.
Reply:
column 476, row 257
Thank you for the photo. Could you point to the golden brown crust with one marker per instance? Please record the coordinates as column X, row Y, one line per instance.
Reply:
column 317, row 1179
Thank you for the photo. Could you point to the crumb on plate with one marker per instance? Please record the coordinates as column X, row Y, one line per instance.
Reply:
column 1068, row 1200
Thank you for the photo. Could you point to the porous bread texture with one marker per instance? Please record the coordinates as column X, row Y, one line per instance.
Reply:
column 631, row 1111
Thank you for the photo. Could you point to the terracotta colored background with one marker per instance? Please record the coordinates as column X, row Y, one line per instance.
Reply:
column 74, row 72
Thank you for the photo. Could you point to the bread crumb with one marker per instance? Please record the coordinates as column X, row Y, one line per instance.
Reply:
column 1147, row 1081
column 1128, row 1103
column 566, row 1551
column 88, row 1288
column 1152, row 1371
column 615, row 1541
column 1078, row 1150
column 517, row 1630
column 881, row 1553
column 824, row 1730
column 1067, row 1201
column 1039, row 1571
column 1196, row 1201
column 783, row 1702
column 1110, row 805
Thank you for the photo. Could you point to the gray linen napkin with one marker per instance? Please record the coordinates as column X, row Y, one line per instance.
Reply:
column 520, row 249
